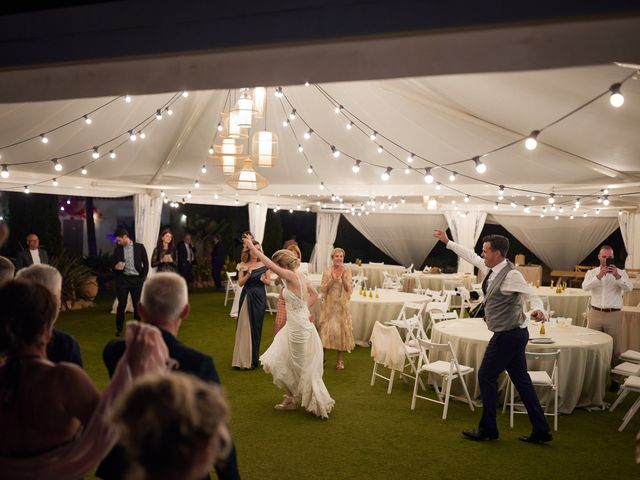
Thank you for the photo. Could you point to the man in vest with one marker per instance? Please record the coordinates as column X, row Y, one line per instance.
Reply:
column 504, row 290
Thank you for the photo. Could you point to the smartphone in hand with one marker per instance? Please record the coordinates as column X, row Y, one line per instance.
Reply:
column 610, row 261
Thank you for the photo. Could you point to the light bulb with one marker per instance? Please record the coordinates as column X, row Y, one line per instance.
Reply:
column 220, row 127
column 310, row 169
column 26, row 189
column 5, row 172
column 466, row 198
column 87, row 120
column 162, row 193
column 407, row 171
column 158, row 114
column 132, row 136
column 285, row 123
column 386, row 175
column 410, row 158
column 196, row 184
column 356, row 167
column 349, row 125
column 57, row 166
column 55, row 183
column 380, row 149
column 578, row 202
column 169, row 111
column 278, row 93
column 373, row 136
column 495, row 206
column 68, row 201
column 83, row 171
column 616, row 99
column 335, row 152
column 127, row 98
column 619, row 212
column 571, row 217
column 189, row 195
column 203, row 169
column 43, row 138
column 480, row 167
column 501, row 190
column 322, row 187
column 112, row 154
column 142, row 135
column 452, row 177
column 513, row 204
column 308, row 133
column 551, row 199
column 438, row 186
column 403, row 200
column 300, row 148
column 306, row 84
column 428, row 177
column 531, row 141
column 338, row 109
column 211, row 150
column 526, row 209
column 185, row 94
column 95, row 154
column 605, row 200
column 292, row 115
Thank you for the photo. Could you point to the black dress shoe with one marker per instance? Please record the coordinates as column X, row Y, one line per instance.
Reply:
column 479, row 434
column 537, row 437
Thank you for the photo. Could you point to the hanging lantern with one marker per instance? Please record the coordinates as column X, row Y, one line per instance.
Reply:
column 247, row 178
column 243, row 112
column 226, row 153
column 264, row 148
column 231, row 126
column 259, row 101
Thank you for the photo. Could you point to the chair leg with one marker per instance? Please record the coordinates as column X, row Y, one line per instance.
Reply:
column 226, row 297
column 393, row 372
column 373, row 374
column 446, row 398
column 466, row 393
column 629, row 415
column 506, row 398
column 415, row 392
column 512, row 387
column 621, row 396
column 555, row 412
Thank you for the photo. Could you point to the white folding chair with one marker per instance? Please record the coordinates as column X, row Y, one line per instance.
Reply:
column 436, row 315
column 409, row 269
column 272, row 301
column 358, row 281
column 388, row 350
column 631, row 384
column 433, row 293
column 626, row 369
column 466, row 302
column 447, row 370
column 232, row 286
column 631, row 356
column 539, row 378
column 391, row 282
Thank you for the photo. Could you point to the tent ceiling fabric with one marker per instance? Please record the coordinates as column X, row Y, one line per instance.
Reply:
column 443, row 118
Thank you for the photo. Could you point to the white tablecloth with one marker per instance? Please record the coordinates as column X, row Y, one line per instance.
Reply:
column 437, row 281
column 572, row 303
column 631, row 328
column 582, row 367
column 365, row 311
column 373, row 272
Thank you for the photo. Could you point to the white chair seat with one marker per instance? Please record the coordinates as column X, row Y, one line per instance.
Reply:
column 540, row 378
column 632, row 356
column 632, row 383
column 626, row 369
column 442, row 368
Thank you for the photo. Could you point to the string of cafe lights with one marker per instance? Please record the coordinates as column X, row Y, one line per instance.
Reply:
column 530, row 141
column 132, row 134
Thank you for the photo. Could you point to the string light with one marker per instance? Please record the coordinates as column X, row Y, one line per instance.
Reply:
column 349, row 126
column 162, row 193
column 203, row 169
column 169, row 111
column 132, row 136
column 512, row 204
column 501, row 190
column 185, row 94
column 292, row 115
column 452, row 176
column 278, row 92
column 87, row 119
column 466, row 198
column 57, row 166
column 310, row 169
column 356, row 167
column 211, row 150
column 216, row 196
column 4, row 173
column 335, row 152
column 306, row 84
column 605, row 200
column 55, row 183
column 26, row 189
column 616, row 99
column 322, row 187
column 578, row 202
column 127, row 98
column 552, row 198
column 338, row 109
column 158, row 114
column 428, row 177
column 196, row 184
column 495, row 206
column 300, row 148
column 142, row 135
column 410, row 158
column 189, row 195
column 438, row 186
column 386, row 175
column 112, row 154
column 531, row 142
column 480, row 166
column 285, row 123
column 220, row 127
column 43, row 138
column 84, row 171
column 308, row 133
column 95, row 154
column 407, row 171
column 373, row 136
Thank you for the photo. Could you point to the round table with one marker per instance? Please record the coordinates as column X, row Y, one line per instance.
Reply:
column 572, row 303
column 582, row 367
column 437, row 281
column 374, row 272
column 630, row 328
column 365, row 311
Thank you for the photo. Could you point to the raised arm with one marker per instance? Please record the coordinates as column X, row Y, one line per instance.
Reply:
column 464, row 253
column 278, row 270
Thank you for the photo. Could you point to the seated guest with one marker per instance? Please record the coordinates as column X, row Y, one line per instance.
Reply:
column 172, row 426
column 33, row 255
column 52, row 417
column 164, row 303
column 62, row 347
column 7, row 270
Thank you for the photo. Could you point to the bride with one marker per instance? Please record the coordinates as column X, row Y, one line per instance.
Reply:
column 295, row 358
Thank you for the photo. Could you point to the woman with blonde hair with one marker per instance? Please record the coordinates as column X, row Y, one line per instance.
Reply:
column 336, row 330
column 281, row 309
column 295, row 357
column 172, row 426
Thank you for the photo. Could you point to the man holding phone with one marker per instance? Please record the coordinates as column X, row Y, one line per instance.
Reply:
column 607, row 284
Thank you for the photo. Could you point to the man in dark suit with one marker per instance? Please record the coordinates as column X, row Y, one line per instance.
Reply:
column 186, row 258
column 217, row 260
column 164, row 303
column 33, row 254
column 131, row 266
column 62, row 347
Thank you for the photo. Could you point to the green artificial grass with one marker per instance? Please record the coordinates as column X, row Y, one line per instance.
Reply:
column 371, row 435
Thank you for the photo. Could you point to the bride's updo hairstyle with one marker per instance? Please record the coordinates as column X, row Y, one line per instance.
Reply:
column 286, row 259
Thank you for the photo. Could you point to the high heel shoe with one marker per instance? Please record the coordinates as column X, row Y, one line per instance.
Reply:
column 340, row 365
column 289, row 403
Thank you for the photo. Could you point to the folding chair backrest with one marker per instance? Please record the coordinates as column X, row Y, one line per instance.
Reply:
column 436, row 307
column 433, row 293
column 439, row 317
column 231, row 278
column 387, row 346
column 544, row 357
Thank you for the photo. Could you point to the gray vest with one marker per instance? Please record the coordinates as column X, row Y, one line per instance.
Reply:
column 502, row 311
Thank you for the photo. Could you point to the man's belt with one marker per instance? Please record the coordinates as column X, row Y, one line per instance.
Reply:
column 606, row 309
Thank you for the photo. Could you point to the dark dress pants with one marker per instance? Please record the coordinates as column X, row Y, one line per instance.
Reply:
column 125, row 285
column 506, row 352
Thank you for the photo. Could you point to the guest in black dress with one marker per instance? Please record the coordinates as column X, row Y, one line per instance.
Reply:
column 165, row 255
column 252, row 276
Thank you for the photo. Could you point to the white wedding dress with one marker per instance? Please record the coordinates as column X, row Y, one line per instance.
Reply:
column 295, row 358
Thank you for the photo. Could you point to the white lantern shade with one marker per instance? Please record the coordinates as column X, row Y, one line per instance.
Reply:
column 264, row 148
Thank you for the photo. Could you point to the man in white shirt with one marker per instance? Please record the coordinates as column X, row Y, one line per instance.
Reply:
column 34, row 255
column 607, row 284
column 504, row 290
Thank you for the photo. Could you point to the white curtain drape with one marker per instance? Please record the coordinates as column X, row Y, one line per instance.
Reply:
column 560, row 244
column 326, row 231
column 257, row 220
column 630, row 229
column 407, row 239
column 465, row 231
column 148, row 214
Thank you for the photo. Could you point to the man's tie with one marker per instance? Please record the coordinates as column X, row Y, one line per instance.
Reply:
column 485, row 282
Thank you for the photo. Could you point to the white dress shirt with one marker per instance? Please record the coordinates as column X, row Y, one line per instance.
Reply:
column 513, row 282
column 35, row 255
column 606, row 292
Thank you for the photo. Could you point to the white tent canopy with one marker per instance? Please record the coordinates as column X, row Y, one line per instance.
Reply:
column 444, row 120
